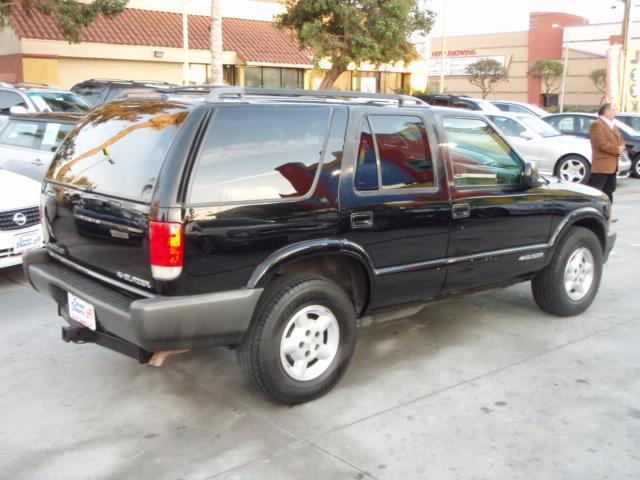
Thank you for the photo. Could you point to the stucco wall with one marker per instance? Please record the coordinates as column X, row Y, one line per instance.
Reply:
column 74, row 70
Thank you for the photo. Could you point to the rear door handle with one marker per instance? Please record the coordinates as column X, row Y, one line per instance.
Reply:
column 461, row 210
column 362, row 220
column 37, row 161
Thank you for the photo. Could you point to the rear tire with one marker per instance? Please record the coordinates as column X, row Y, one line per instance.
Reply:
column 301, row 339
column 568, row 285
column 574, row 169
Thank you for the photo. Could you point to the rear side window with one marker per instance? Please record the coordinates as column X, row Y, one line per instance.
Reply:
column 118, row 149
column 22, row 134
column 403, row 154
column 260, row 153
column 91, row 93
column 10, row 99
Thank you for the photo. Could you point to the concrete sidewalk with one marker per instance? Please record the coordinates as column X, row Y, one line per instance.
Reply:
column 480, row 387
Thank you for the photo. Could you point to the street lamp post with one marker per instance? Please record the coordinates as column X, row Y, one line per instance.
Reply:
column 443, row 44
column 563, row 81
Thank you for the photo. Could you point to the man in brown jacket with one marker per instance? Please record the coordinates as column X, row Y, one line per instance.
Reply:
column 607, row 145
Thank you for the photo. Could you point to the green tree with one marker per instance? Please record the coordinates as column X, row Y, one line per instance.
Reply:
column 72, row 16
column 550, row 72
column 346, row 31
column 487, row 74
column 599, row 79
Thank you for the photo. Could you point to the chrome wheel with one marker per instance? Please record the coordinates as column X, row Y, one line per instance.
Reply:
column 578, row 274
column 636, row 168
column 572, row 170
column 309, row 343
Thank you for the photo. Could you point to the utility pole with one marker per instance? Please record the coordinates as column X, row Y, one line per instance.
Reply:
column 443, row 45
column 186, row 74
column 217, row 76
column 563, row 83
column 626, row 36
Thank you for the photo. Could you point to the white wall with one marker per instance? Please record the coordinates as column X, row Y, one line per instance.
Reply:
column 250, row 9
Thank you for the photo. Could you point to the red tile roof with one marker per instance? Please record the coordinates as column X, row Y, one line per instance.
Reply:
column 253, row 40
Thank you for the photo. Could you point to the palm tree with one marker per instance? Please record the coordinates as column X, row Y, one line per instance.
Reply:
column 216, row 42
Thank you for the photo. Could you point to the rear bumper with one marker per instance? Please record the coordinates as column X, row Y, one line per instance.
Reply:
column 156, row 323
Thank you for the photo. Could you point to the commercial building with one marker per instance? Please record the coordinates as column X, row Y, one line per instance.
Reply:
column 548, row 36
column 145, row 42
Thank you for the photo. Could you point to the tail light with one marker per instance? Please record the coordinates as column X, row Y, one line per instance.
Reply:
column 166, row 248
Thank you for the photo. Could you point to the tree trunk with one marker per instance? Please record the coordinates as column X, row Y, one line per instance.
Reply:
column 217, row 76
column 331, row 76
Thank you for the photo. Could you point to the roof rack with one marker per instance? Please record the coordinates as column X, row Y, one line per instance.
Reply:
column 219, row 94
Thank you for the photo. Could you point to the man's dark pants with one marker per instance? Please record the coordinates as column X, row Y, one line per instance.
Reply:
column 605, row 182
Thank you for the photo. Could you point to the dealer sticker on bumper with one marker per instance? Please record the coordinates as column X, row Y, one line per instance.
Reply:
column 26, row 241
column 82, row 312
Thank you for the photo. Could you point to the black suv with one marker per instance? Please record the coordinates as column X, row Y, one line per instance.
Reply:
column 101, row 90
column 272, row 220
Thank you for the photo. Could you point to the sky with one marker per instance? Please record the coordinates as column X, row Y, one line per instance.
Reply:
column 470, row 17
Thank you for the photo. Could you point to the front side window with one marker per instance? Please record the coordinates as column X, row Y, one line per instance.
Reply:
column 403, row 154
column 260, row 153
column 479, row 155
column 22, row 134
column 585, row 125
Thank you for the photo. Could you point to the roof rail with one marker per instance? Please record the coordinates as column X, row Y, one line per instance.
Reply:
column 240, row 93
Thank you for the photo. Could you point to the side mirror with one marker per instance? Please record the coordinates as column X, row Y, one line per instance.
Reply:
column 18, row 110
column 526, row 135
column 531, row 176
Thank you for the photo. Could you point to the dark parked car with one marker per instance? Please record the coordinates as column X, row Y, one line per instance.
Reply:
column 271, row 220
column 454, row 101
column 630, row 119
column 578, row 124
column 101, row 90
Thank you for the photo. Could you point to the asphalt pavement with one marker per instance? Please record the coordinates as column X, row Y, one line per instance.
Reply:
column 477, row 387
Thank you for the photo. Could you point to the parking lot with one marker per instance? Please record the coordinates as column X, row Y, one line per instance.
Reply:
column 477, row 387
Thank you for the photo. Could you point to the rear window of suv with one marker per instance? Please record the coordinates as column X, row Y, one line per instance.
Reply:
column 260, row 153
column 119, row 148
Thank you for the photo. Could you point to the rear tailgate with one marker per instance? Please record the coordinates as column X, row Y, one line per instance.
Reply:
column 98, row 190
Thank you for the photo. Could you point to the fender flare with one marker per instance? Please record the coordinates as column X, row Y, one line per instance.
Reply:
column 311, row 247
column 572, row 217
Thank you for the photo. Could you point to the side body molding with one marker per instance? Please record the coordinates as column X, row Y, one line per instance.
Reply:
column 311, row 247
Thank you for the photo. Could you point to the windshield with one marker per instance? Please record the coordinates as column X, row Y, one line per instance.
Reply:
column 626, row 129
column 541, row 127
column 487, row 106
column 59, row 102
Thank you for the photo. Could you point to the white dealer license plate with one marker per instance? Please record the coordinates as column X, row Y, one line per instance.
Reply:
column 82, row 312
column 26, row 241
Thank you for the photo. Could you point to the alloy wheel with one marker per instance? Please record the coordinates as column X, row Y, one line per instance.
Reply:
column 309, row 343
column 573, row 170
column 578, row 274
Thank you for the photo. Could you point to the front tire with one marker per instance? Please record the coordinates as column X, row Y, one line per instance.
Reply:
column 574, row 169
column 568, row 285
column 635, row 167
column 301, row 339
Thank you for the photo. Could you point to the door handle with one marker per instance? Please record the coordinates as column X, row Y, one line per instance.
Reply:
column 362, row 220
column 461, row 210
column 37, row 161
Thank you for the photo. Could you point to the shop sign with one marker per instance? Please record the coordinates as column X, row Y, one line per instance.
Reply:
column 457, row 66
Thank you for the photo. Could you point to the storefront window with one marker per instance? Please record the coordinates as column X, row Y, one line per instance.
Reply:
column 273, row 77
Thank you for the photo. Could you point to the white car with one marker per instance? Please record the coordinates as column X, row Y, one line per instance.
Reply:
column 20, row 229
column 565, row 156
